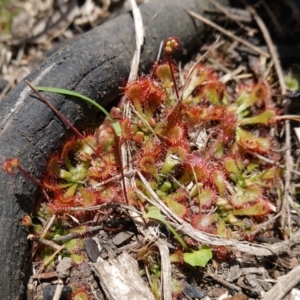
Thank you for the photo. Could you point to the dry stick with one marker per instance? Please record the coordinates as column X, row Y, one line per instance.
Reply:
column 284, row 285
column 226, row 12
column 223, row 282
column 38, row 239
column 49, row 275
column 264, row 224
column 139, row 39
column 58, row 290
column 74, row 235
column 124, row 150
column 165, row 269
column 113, row 178
column 228, row 33
column 186, row 92
column 50, row 258
column 271, row 47
column 47, row 226
column 29, row 293
column 272, row 16
column 288, row 156
column 44, row 231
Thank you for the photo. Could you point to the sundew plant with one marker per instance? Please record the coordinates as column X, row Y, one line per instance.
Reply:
column 198, row 146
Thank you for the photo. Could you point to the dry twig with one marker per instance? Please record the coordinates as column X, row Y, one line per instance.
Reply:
column 284, row 285
column 228, row 33
column 165, row 269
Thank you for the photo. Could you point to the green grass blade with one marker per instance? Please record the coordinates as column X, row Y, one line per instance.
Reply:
column 116, row 125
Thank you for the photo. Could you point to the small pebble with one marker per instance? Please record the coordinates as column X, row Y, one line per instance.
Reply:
column 91, row 249
column 121, row 237
column 193, row 292
column 64, row 267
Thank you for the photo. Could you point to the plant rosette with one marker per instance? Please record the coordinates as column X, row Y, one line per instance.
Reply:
column 197, row 145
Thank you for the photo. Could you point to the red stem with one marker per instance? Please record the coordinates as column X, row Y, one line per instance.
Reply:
column 173, row 76
column 30, row 177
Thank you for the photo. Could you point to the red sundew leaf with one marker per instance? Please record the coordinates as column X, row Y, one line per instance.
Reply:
column 75, row 245
column 218, row 178
column 134, row 91
column 154, row 93
column 145, row 93
column 67, row 148
column 250, row 194
column 53, row 166
column 206, row 197
column 212, row 92
column 126, row 129
column 180, row 195
column 153, row 148
column 103, row 169
column 196, row 114
column 231, row 166
column 163, row 73
column 89, row 197
column 79, row 295
column 252, row 142
column 228, row 125
column 222, row 253
column 111, row 193
column 260, row 208
column 176, row 134
column 258, row 93
column 147, row 165
column 201, row 169
column 180, row 151
column 205, row 223
column 60, row 201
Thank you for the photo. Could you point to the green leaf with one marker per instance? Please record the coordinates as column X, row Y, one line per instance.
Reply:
column 77, row 258
column 231, row 166
column 198, row 258
column 117, row 128
column 264, row 118
column 116, row 125
column 247, row 99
